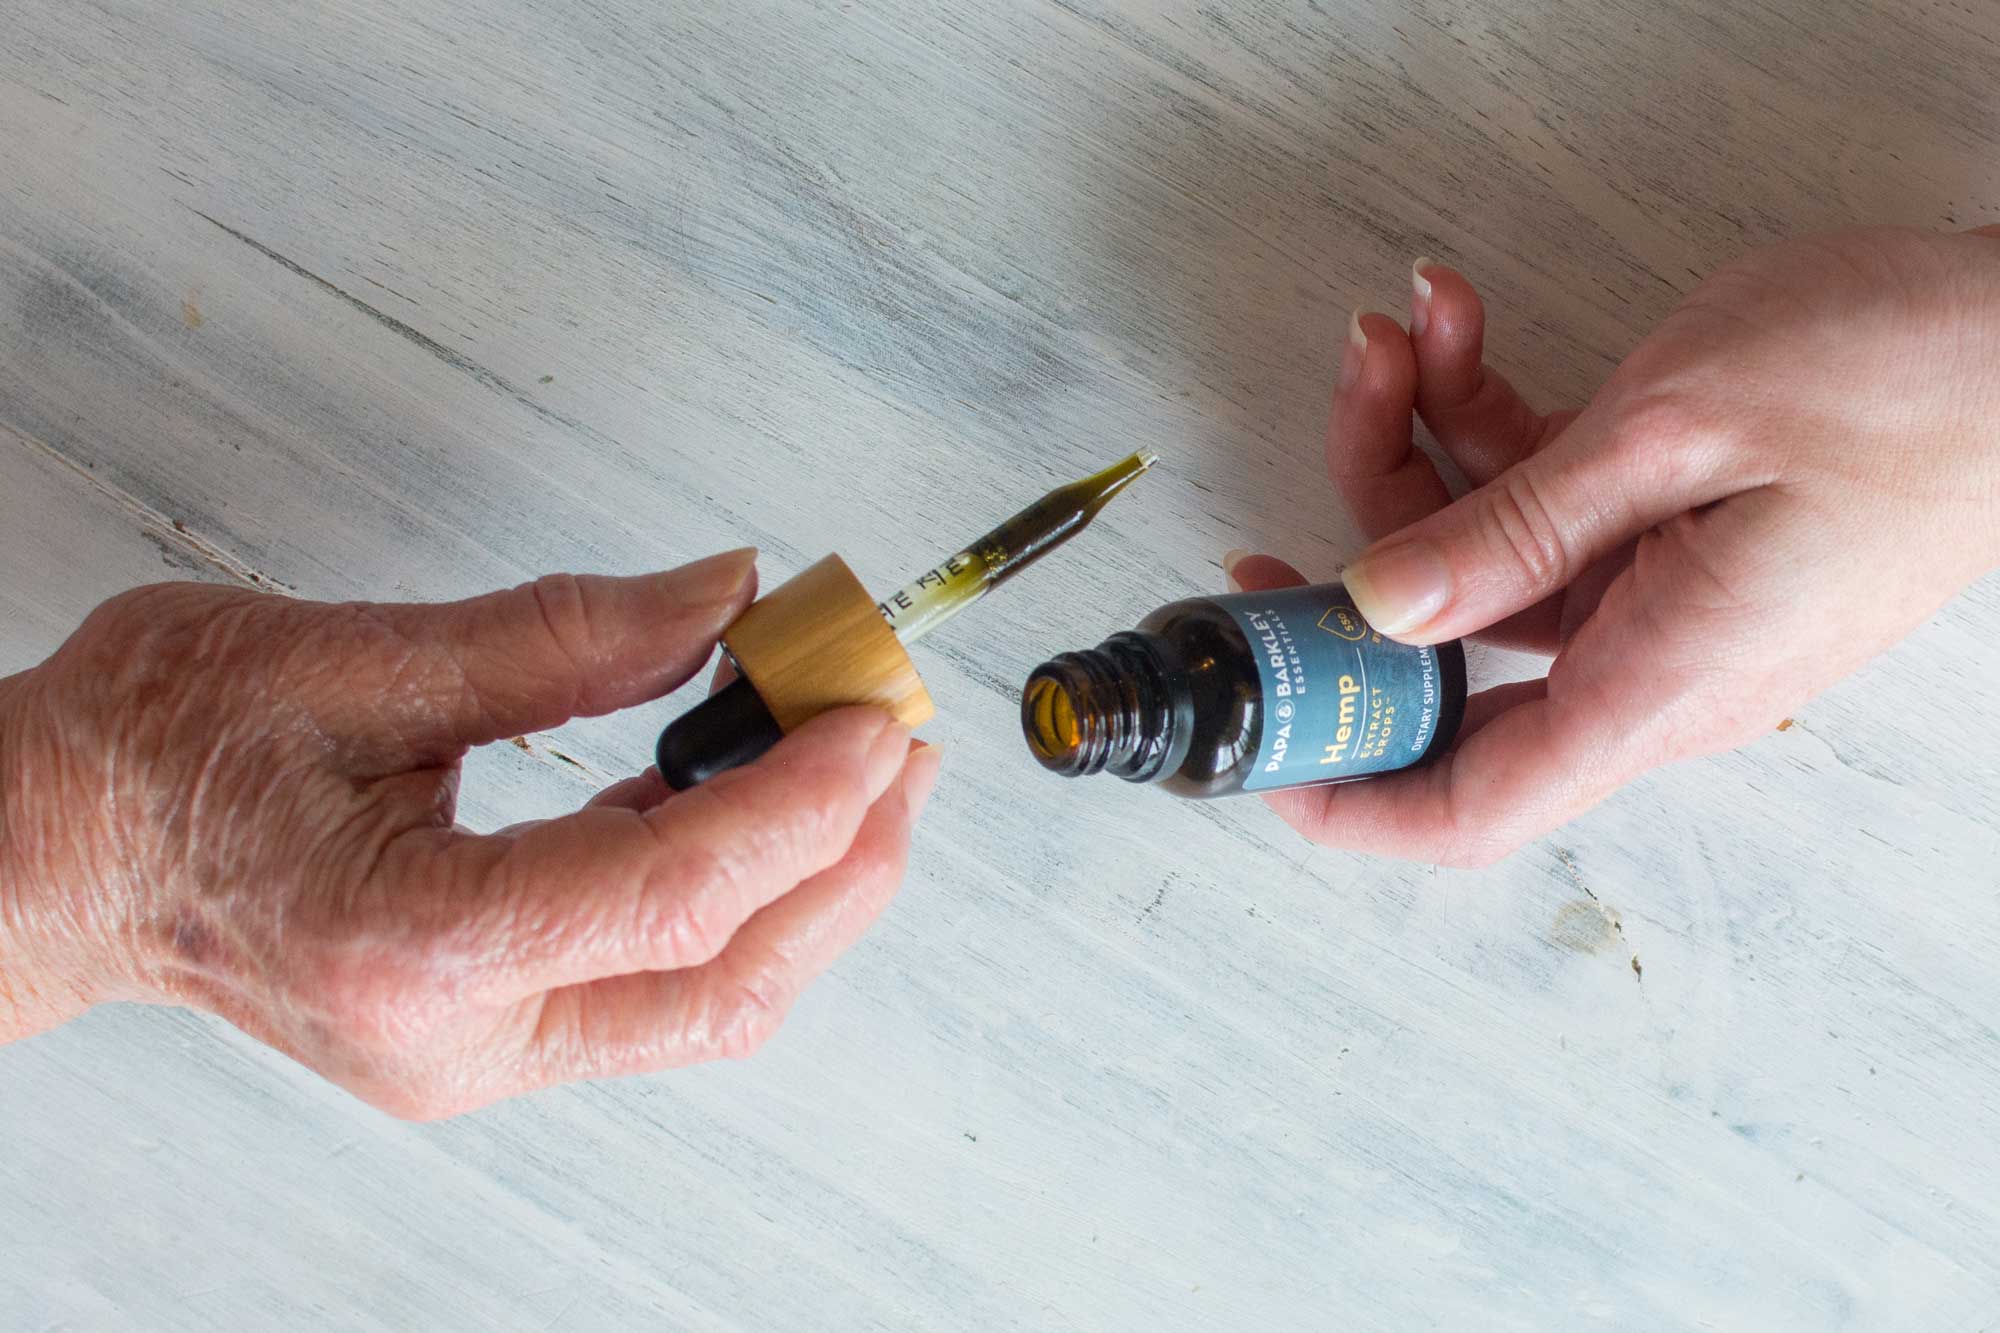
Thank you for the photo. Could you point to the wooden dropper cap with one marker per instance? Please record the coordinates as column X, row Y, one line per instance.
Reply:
column 815, row 643
column 818, row 642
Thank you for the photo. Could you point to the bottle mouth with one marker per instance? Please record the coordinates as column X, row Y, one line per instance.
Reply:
column 1112, row 708
column 1049, row 721
column 1076, row 713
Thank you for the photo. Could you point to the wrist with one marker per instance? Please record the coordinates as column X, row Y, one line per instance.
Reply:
column 45, row 975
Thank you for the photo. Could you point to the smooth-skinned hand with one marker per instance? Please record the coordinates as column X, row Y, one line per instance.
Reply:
column 1798, row 467
column 244, row 803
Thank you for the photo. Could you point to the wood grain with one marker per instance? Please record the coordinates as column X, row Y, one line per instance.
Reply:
column 818, row 642
column 415, row 300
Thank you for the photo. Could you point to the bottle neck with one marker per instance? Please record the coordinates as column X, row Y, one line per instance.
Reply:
column 1122, row 707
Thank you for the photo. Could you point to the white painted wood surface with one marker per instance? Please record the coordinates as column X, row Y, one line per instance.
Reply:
column 413, row 300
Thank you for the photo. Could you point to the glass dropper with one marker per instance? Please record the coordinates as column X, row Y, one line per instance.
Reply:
column 951, row 585
column 733, row 727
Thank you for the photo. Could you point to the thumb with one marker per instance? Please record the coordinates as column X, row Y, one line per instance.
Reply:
column 1535, row 527
column 569, row 645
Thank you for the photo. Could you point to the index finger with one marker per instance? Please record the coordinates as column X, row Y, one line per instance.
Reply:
column 1371, row 454
column 563, row 646
column 729, row 1005
column 610, row 890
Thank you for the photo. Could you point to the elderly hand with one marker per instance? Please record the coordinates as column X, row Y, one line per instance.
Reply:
column 1795, row 470
column 230, row 800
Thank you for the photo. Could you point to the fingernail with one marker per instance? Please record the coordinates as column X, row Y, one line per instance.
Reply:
column 1399, row 588
column 717, row 577
column 1356, row 353
column 1420, row 297
column 920, row 775
column 886, row 757
column 1231, row 559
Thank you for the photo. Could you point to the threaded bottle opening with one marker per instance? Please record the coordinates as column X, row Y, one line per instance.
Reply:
column 1108, row 707
column 1070, row 713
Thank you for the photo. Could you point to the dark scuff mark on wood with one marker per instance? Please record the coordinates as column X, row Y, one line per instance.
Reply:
column 768, row 541
column 554, row 758
column 412, row 334
column 391, row 290
column 408, row 332
column 179, row 546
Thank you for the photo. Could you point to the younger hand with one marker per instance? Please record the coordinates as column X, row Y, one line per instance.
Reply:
column 244, row 803
column 1797, row 468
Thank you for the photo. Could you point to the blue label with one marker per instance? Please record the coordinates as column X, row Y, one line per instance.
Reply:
column 1340, row 701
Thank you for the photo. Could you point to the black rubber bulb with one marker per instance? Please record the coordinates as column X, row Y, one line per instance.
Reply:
column 730, row 728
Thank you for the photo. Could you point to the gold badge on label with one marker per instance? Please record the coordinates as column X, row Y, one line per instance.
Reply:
column 1344, row 622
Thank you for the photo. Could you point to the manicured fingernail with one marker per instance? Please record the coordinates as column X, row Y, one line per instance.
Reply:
column 1420, row 298
column 717, row 577
column 1356, row 353
column 1231, row 559
column 920, row 775
column 1399, row 588
column 886, row 758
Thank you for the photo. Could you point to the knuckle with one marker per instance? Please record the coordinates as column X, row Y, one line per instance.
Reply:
column 145, row 639
column 553, row 642
column 127, row 616
column 157, row 608
column 565, row 610
column 357, row 642
column 880, row 876
column 1659, row 414
column 686, row 928
column 685, row 903
column 704, row 887
column 1522, row 528
column 752, row 1016
column 1469, row 837
column 364, row 1001
column 1670, row 435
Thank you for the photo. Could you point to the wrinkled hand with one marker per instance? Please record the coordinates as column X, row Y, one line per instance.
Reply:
column 244, row 803
column 1795, row 470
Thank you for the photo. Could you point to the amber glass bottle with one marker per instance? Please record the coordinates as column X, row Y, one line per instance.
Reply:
column 1248, row 692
